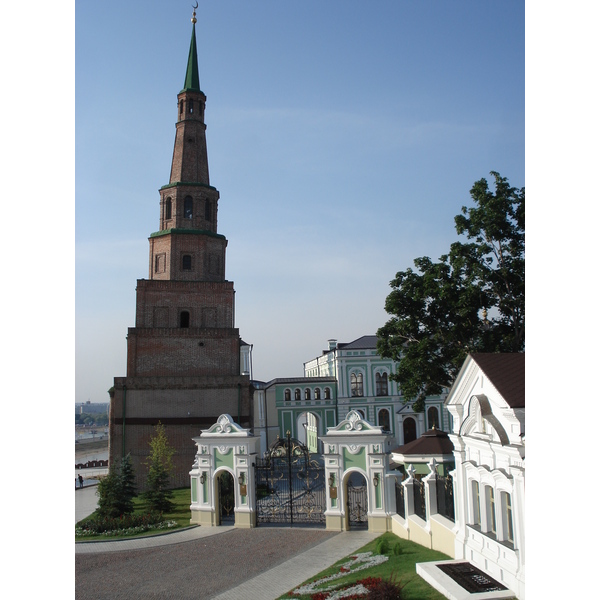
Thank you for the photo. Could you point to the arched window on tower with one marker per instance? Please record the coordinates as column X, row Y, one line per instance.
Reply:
column 186, row 262
column 168, row 208
column 184, row 319
column 188, row 207
column 191, row 106
column 207, row 210
column 181, row 107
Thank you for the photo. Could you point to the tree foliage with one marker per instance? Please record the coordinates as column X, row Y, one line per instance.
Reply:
column 160, row 468
column 471, row 300
column 117, row 490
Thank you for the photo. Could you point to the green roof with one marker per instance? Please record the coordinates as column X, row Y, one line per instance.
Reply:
column 192, row 79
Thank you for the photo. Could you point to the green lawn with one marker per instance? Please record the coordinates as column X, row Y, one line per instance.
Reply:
column 400, row 567
column 181, row 514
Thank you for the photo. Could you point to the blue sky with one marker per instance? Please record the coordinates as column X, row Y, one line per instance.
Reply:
column 343, row 138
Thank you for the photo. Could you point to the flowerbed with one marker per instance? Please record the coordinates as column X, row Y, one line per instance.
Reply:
column 123, row 525
column 356, row 590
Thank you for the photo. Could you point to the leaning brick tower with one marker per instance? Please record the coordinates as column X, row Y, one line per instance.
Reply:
column 183, row 355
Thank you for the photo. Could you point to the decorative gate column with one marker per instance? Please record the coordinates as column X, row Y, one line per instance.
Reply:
column 357, row 446
column 223, row 447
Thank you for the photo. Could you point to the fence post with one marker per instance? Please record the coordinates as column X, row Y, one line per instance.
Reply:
column 430, row 482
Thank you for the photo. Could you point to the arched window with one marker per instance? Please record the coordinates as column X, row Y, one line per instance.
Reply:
column 184, row 319
column 297, row 395
column 186, row 262
column 181, row 107
column 191, row 106
column 327, row 394
column 381, row 384
column 433, row 417
column 383, row 419
column 207, row 210
column 317, row 393
column 356, row 384
column 307, row 394
column 287, row 395
column 168, row 208
column 188, row 207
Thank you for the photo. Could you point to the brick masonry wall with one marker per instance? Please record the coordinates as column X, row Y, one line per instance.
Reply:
column 185, row 406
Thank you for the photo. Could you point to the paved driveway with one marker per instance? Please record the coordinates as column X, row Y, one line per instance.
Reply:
column 199, row 569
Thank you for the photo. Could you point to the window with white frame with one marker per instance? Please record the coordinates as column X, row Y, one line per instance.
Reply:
column 287, row 395
column 490, row 509
column 317, row 393
column 383, row 419
column 297, row 395
column 507, row 517
column 433, row 417
column 475, row 501
column 327, row 393
column 307, row 393
column 381, row 384
column 356, row 384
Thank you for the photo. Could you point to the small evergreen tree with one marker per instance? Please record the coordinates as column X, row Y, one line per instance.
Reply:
column 160, row 468
column 117, row 490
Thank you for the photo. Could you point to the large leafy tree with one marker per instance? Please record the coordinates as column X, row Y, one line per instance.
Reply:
column 471, row 300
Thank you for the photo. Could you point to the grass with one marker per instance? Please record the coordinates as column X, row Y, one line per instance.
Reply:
column 400, row 567
column 181, row 514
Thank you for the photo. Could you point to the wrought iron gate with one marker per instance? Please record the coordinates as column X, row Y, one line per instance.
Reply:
column 226, row 498
column 357, row 504
column 290, row 485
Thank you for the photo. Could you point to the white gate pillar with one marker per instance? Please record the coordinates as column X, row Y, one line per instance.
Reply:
column 356, row 445
column 223, row 447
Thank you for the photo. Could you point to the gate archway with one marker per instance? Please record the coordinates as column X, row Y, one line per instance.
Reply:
column 357, row 501
column 226, row 498
column 290, row 485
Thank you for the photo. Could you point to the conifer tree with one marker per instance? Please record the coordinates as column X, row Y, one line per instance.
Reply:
column 160, row 469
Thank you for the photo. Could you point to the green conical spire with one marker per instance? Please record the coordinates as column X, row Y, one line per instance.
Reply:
column 192, row 79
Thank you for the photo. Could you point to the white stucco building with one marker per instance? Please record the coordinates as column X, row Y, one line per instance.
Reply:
column 487, row 403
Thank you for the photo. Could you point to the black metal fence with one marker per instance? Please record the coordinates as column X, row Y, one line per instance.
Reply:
column 445, row 496
column 419, row 498
column 400, row 500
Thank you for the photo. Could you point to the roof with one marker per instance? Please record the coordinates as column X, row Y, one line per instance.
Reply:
column 192, row 79
column 432, row 442
column 506, row 371
column 366, row 342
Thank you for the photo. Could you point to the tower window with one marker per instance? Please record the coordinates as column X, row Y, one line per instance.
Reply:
column 184, row 319
column 181, row 107
column 186, row 262
column 188, row 205
column 168, row 208
column 191, row 106
column 207, row 210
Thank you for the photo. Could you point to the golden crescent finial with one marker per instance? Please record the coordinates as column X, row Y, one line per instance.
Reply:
column 194, row 15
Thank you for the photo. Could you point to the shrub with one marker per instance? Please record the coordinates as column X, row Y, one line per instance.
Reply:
column 397, row 549
column 389, row 589
column 100, row 524
column 382, row 547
